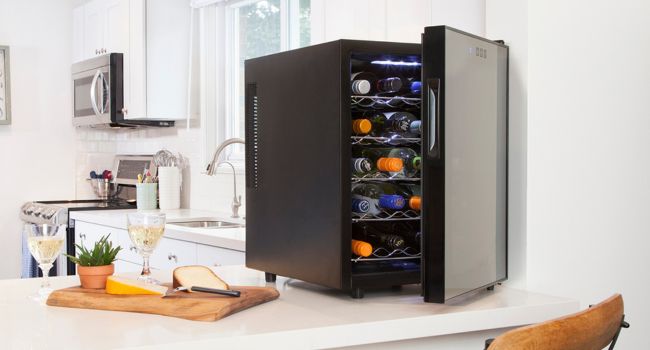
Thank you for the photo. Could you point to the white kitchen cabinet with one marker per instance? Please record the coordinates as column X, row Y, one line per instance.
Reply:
column 154, row 38
column 172, row 253
column 104, row 28
column 122, row 266
column 87, row 234
column 216, row 256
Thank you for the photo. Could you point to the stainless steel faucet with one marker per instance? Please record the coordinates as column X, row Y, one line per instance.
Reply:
column 212, row 167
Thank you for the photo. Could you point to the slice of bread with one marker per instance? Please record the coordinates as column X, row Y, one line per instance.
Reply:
column 197, row 275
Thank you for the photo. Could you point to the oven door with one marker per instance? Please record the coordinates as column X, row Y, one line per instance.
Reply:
column 91, row 96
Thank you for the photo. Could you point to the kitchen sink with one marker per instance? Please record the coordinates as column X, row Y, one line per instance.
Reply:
column 208, row 224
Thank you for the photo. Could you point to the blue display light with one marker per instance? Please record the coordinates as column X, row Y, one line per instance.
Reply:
column 396, row 63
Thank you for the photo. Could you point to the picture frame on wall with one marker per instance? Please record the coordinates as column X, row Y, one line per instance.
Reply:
column 5, row 91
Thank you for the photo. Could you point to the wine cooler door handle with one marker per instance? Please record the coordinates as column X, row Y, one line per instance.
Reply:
column 433, row 118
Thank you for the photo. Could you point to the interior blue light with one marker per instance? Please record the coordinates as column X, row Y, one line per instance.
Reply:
column 397, row 63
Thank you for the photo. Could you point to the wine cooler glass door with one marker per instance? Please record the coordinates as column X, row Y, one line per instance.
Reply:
column 464, row 174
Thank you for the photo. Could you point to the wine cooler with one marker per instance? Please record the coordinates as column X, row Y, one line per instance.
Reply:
column 373, row 165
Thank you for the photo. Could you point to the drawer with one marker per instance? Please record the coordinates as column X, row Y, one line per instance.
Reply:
column 172, row 253
column 217, row 256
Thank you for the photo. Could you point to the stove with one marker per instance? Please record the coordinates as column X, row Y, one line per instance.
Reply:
column 58, row 212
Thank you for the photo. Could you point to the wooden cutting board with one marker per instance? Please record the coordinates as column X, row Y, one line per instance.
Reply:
column 190, row 306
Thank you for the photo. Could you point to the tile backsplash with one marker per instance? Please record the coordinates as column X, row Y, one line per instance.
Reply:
column 96, row 150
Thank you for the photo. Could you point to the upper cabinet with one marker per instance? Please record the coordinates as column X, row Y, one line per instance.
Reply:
column 154, row 38
column 99, row 27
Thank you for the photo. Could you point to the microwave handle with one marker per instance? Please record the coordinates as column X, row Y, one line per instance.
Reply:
column 93, row 97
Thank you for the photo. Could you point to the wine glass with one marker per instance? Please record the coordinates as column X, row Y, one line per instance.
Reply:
column 45, row 243
column 145, row 230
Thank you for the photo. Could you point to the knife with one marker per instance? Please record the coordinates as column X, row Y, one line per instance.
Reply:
column 230, row 293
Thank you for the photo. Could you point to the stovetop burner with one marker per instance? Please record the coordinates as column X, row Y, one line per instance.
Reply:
column 90, row 204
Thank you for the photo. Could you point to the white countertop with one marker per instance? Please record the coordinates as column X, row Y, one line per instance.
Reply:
column 230, row 238
column 305, row 316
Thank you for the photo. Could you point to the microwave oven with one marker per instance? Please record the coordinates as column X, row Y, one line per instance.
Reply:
column 98, row 94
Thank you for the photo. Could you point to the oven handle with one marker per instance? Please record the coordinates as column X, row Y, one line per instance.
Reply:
column 93, row 97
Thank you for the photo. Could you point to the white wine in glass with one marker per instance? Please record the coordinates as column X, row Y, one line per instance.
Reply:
column 45, row 243
column 146, row 230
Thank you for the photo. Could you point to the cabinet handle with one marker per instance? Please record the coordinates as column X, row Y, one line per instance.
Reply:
column 96, row 52
column 82, row 236
column 216, row 264
column 171, row 257
column 125, row 111
column 133, row 249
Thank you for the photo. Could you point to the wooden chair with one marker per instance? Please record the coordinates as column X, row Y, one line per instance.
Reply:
column 591, row 329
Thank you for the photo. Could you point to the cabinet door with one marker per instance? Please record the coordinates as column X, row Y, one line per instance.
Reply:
column 217, row 256
column 116, row 26
column 172, row 253
column 87, row 234
column 93, row 25
column 122, row 266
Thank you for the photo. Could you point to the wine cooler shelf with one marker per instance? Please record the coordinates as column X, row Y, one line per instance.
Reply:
column 386, row 216
column 375, row 140
column 382, row 177
column 384, row 102
column 382, row 254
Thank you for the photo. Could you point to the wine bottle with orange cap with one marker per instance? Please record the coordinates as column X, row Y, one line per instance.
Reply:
column 365, row 167
column 411, row 161
column 411, row 195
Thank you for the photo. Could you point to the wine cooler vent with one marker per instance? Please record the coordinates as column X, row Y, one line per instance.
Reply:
column 252, row 136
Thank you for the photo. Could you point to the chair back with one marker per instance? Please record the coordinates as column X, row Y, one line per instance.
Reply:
column 591, row 329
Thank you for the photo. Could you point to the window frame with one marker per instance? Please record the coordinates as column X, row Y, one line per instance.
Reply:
column 228, row 125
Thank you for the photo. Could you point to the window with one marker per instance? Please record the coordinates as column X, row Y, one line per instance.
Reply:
column 256, row 28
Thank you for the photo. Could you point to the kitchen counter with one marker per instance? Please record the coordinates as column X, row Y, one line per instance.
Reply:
column 305, row 316
column 230, row 238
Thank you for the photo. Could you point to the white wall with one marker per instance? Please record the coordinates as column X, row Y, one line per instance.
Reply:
column 587, row 149
column 508, row 20
column 392, row 20
column 37, row 150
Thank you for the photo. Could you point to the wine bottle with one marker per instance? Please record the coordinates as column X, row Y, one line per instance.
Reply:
column 362, row 82
column 392, row 84
column 413, row 201
column 378, row 200
column 360, row 205
column 361, row 248
column 409, row 230
column 403, row 123
column 388, row 124
column 412, row 162
column 412, row 85
column 365, row 167
column 377, row 238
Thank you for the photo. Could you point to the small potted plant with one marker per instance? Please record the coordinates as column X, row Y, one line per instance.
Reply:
column 94, row 266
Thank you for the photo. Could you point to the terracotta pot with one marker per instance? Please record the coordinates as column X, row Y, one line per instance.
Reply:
column 94, row 277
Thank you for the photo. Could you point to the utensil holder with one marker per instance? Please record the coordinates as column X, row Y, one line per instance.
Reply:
column 169, row 187
column 146, row 195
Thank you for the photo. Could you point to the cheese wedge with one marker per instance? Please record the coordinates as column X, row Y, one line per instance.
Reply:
column 128, row 286
column 199, row 276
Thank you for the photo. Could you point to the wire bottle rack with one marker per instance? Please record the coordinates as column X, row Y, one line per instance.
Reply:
column 383, row 254
column 397, row 215
column 384, row 102
column 378, row 140
column 379, row 176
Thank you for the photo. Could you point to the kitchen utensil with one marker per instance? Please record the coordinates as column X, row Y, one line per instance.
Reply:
column 45, row 243
column 189, row 306
column 145, row 231
column 230, row 293
column 104, row 188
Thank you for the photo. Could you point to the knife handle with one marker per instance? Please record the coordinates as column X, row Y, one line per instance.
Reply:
column 231, row 293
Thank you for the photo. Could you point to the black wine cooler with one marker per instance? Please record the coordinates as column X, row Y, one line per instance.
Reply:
column 372, row 165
